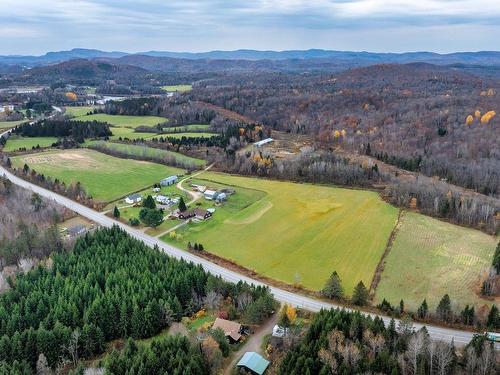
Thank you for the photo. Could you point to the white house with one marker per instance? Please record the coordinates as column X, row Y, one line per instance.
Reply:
column 163, row 199
column 279, row 331
column 133, row 199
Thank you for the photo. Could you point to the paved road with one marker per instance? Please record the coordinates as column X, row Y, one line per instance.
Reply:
column 437, row 333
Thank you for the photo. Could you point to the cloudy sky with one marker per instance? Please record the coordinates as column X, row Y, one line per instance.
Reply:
column 38, row 26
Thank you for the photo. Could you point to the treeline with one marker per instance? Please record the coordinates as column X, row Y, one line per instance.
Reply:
column 342, row 342
column 110, row 286
column 27, row 224
column 64, row 128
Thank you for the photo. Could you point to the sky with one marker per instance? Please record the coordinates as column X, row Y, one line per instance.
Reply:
column 39, row 26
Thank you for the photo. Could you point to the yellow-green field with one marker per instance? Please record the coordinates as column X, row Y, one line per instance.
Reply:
column 10, row 124
column 105, row 177
column 78, row 111
column 15, row 143
column 179, row 88
column 296, row 232
column 129, row 133
column 124, row 121
column 188, row 135
column 186, row 128
column 430, row 258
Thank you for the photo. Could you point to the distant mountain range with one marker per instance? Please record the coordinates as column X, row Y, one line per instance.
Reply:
column 328, row 56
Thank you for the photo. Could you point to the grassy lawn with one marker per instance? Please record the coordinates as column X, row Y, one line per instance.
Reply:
column 296, row 232
column 145, row 151
column 105, row 177
column 14, row 142
column 430, row 258
column 78, row 111
column 10, row 124
column 189, row 135
column 129, row 133
column 179, row 88
column 124, row 121
column 186, row 128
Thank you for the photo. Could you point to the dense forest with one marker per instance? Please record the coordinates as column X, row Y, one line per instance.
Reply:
column 77, row 130
column 341, row 342
column 110, row 286
column 442, row 116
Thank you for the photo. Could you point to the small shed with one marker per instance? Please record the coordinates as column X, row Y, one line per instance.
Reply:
column 221, row 197
column 169, row 181
column 263, row 142
column 254, row 363
column 209, row 194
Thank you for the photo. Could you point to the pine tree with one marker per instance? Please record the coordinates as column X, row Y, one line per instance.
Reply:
column 149, row 202
column 443, row 311
column 423, row 310
column 493, row 318
column 333, row 287
column 182, row 205
column 360, row 294
column 116, row 212
column 401, row 307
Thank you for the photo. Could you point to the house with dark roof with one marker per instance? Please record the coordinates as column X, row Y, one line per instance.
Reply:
column 133, row 199
column 231, row 329
column 197, row 213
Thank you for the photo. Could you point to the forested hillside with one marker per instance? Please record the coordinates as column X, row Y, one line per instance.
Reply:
column 110, row 286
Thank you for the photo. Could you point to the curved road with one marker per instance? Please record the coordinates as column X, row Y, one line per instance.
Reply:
column 438, row 333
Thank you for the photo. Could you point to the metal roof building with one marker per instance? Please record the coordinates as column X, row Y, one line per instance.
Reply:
column 169, row 181
column 254, row 363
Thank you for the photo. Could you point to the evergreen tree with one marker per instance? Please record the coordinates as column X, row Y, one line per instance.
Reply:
column 182, row 205
column 149, row 202
column 360, row 294
column 493, row 321
column 443, row 310
column 116, row 212
column 333, row 287
column 496, row 259
column 423, row 310
column 401, row 307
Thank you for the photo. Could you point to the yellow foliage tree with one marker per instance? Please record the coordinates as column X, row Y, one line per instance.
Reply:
column 469, row 120
column 487, row 117
column 477, row 113
column 343, row 132
column 413, row 203
column 291, row 312
column 336, row 134
column 71, row 96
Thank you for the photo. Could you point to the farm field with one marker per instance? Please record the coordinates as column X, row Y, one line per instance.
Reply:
column 78, row 111
column 430, row 258
column 124, row 121
column 188, row 135
column 10, row 124
column 14, row 143
column 129, row 133
column 105, row 177
column 138, row 150
column 186, row 128
column 179, row 88
column 296, row 232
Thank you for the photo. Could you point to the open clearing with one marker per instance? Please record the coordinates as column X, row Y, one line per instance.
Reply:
column 430, row 258
column 78, row 111
column 14, row 143
column 179, row 88
column 145, row 151
column 105, row 177
column 188, row 135
column 186, row 128
column 124, row 121
column 10, row 124
column 295, row 232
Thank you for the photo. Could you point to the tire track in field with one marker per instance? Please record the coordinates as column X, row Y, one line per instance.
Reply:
column 381, row 265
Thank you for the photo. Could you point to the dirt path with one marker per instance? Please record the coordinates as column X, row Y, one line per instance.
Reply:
column 194, row 194
column 253, row 344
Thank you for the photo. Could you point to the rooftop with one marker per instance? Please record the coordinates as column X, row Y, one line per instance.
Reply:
column 254, row 362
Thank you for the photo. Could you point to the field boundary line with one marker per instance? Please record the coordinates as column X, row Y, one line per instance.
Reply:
column 381, row 265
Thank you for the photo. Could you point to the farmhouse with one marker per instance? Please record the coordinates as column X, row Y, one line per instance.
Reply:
column 254, row 363
column 133, row 199
column 232, row 330
column 263, row 142
column 169, row 181
column 197, row 213
column 76, row 230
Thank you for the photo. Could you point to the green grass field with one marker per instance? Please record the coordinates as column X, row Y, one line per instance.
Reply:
column 129, row 133
column 186, row 128
column 14, row 143
column 179, row 88
column 124, row 121
column 105, row 177
column 138, row 150
column 78, row 111
column 296, row 232
column 430, row 258
column 10, row 124
column 188, row 135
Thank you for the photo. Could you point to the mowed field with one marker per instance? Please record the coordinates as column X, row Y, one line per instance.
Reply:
column 430, row 258
column 78, row 111
column 188, row 135
column 179, row 88
column 105, row 177
column 124, row 121
column 187, row 128
column 138, row 150
column 10, row 124
column 297, row 232
column 14, row 143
